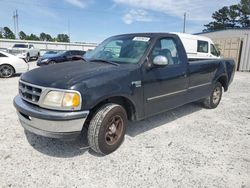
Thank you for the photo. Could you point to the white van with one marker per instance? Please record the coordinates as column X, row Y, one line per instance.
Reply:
column 198, row 47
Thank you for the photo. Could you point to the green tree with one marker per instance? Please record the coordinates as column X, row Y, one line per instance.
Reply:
column 22, row 35
column 48, row 37
column 43, row 36
column 33, row 37
column 244, row 8
column 62, row 38
column 234, row 16
column 1, row 36
column 8, row 34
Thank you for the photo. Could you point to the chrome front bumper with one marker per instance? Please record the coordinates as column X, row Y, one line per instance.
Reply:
column 49, row 123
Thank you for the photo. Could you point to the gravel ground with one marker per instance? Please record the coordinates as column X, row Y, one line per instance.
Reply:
column 186, row 147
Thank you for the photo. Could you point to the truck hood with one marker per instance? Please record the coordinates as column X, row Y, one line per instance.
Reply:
column 67, row 75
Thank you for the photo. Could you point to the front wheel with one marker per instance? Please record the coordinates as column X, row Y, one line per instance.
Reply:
column 6, row 71
column 107, row 128
column 214, row 99
column 52, row 63
column 27, row 58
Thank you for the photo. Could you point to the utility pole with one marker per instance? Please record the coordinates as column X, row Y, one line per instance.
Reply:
column 184, row 23
column 69, row 29
column 16, row 28
column 14, row 19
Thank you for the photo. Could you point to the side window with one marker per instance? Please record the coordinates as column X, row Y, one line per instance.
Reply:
column 74, row 53
column 166, row 47
column 2, row 55
column 213, row 50
column 202, row 46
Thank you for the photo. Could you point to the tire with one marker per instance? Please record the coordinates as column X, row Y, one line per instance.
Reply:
column 6, row 71
column 27, row 58
column 107, row 128
column 215, row 97
column 51, row 63
column 38, row 55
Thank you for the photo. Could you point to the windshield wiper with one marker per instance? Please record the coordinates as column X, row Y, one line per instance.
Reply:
column 104, row 61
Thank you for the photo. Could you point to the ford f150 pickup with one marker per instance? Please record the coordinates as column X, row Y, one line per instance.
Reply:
column 127, row 77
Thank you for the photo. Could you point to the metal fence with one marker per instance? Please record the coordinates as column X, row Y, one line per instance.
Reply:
column 45, row 46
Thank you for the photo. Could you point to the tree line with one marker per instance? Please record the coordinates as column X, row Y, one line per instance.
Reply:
column 234, row 16
column 8, row 34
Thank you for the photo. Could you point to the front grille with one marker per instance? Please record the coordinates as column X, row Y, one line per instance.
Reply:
column 30, row 92
column 14, row 51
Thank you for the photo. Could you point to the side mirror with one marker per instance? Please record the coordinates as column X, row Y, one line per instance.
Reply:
column 160, row 60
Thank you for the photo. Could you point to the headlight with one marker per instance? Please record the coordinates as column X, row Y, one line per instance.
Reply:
column 62, row 100
column 44, row 60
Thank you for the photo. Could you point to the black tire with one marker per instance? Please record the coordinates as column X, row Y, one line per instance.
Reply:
column 28, row 58
column 38, row 55
column 215, row 97
column 6, row 71
column 51, row 63
column 101, row 128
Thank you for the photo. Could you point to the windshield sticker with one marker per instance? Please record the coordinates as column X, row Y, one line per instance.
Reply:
column 143, row 39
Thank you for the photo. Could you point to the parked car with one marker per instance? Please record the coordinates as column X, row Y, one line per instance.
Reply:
column 24, row 51
column 199, row 47
column 10, row 64
column 127, row 77
column 60, row 57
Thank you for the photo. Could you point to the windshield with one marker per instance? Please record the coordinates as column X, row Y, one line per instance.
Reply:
column 51, row 52
column 20, row 46
column 61, row 52
column 122, row 49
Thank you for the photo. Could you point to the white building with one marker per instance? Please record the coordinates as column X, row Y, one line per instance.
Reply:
column 233, row 43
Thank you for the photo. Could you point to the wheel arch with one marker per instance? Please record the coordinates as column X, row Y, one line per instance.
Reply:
column 126, row 103
column 224, row 81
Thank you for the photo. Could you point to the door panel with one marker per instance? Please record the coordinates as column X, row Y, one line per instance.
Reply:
column 164, row 87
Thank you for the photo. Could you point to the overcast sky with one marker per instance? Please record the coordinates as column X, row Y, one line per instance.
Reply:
column 95, row 20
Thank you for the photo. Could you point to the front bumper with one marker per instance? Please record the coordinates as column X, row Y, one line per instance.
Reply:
column 49, row 123
column 21, row 55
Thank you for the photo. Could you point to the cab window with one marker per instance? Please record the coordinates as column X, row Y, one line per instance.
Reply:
column 166, row 47
column 202, row 46
column 213, row 50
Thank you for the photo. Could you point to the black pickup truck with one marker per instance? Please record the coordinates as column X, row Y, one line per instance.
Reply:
column 127, row 77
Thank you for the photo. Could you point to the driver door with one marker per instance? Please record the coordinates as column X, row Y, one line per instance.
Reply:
column 165, row 86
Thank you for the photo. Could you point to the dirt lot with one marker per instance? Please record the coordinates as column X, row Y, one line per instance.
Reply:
column 186, row 147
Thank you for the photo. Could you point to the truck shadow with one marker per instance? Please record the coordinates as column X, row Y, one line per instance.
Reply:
column 56, row 147
column 136, row 128
column 68, row 149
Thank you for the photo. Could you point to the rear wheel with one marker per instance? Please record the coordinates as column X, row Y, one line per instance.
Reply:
column 38, row 55
column 6, row 71
column 214, row 99
column 107, row 128
column 52, row 62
